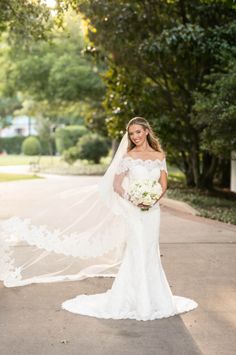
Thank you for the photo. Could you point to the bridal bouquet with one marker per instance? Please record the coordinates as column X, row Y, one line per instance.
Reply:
column 144, row 192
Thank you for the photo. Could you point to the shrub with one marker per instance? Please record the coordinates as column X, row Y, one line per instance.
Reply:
column 47, row 146
column 90, row 146
column 31, row 146
column 68, row 136
column 71, row 155
column 12, row 145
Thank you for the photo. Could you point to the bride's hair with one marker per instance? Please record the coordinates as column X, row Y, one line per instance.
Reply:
column 151, row 137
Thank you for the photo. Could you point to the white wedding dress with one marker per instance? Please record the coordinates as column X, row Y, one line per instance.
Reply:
column 140, row 290
column 91, row 231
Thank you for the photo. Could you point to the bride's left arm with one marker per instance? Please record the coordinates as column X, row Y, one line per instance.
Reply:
column 163, row 182
column 163, row 178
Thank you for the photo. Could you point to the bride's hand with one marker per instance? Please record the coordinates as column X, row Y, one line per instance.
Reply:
column 126, row 196
column 142, row 206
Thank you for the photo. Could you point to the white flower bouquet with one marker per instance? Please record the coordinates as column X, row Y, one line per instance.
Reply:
column 144, row 192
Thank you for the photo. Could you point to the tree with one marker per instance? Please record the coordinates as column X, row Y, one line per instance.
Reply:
column 160, row 54
column 91, row 147
column 56, row 69
column 215, row 116
column 215, row 112
column 24, row 19
column 7, row 107
column 54, row 79
column 67, row 137
column 20, row 21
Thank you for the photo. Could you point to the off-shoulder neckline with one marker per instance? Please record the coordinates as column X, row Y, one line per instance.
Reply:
column 139, row 159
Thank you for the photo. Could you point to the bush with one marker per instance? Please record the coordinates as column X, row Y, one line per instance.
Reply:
column 31, row 146
column 48, row 146
column 68, row 136
column 12, row 145
column 71, row 155
column 91, row 147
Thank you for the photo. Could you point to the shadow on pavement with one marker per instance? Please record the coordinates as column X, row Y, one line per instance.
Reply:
column 32, row 322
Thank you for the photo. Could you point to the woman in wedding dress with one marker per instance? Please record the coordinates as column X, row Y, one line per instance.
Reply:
column 113, row 237
column 140, row 290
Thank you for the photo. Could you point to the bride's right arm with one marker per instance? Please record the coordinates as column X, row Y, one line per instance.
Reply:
column 118, row 179
column 117, row 184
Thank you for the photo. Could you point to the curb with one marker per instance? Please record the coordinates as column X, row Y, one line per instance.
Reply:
column 178, row 205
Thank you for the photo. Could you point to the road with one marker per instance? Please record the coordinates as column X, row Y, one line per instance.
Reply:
column 199, row 261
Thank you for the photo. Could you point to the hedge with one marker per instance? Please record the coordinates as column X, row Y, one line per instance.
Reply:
column 12, row 145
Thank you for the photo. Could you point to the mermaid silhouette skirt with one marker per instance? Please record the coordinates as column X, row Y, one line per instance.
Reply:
column 140, row 290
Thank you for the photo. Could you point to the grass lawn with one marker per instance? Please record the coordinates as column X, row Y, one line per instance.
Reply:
column 25, row 160
column 14, row 177
column 56, row 165
column 209, row 204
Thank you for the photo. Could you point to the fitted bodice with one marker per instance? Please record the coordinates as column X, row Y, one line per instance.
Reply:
column 142, row 169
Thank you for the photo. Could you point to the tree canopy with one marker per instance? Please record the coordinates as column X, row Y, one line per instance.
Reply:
column 53, row 78
column 24, row 19
column 160, row 55
column 171, row 61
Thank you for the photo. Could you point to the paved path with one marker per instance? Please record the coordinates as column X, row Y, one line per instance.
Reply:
column 199, row 260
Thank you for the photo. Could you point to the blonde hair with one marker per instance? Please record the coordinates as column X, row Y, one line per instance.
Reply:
column 151, row 137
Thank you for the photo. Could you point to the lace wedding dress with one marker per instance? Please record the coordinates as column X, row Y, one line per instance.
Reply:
column 92, row 231
column 140, row 290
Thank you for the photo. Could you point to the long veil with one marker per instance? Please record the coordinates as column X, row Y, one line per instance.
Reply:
column 74, row 235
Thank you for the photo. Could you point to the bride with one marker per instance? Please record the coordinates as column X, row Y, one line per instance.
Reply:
column 101, row 233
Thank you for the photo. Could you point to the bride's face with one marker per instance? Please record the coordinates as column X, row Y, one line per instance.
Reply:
column 137, row 134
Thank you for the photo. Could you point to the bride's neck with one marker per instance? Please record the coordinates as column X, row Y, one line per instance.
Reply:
column 142, row 148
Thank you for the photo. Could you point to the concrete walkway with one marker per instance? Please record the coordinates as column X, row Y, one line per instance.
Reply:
column 199, row 261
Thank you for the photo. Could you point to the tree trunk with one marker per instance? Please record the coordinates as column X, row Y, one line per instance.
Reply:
column 191, row 163
column 209, row 166
column 190, row 178
column 195, row 167
column 115, row 145
column 200, row 175
column 223, row 173
column 189, row 173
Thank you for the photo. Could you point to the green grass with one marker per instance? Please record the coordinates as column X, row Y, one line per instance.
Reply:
column 25, row 160
column 175, row 175
column 56, row 165
column 80, row 167
column 207, row 203
column 14, row 177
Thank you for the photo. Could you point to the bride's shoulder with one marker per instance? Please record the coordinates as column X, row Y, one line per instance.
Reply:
column 153, row 155
column 160, row 155
column 127, row 155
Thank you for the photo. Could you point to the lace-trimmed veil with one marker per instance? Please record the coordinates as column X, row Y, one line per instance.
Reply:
column 80, row 234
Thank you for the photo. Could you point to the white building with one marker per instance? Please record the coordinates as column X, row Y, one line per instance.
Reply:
column 21, row 126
